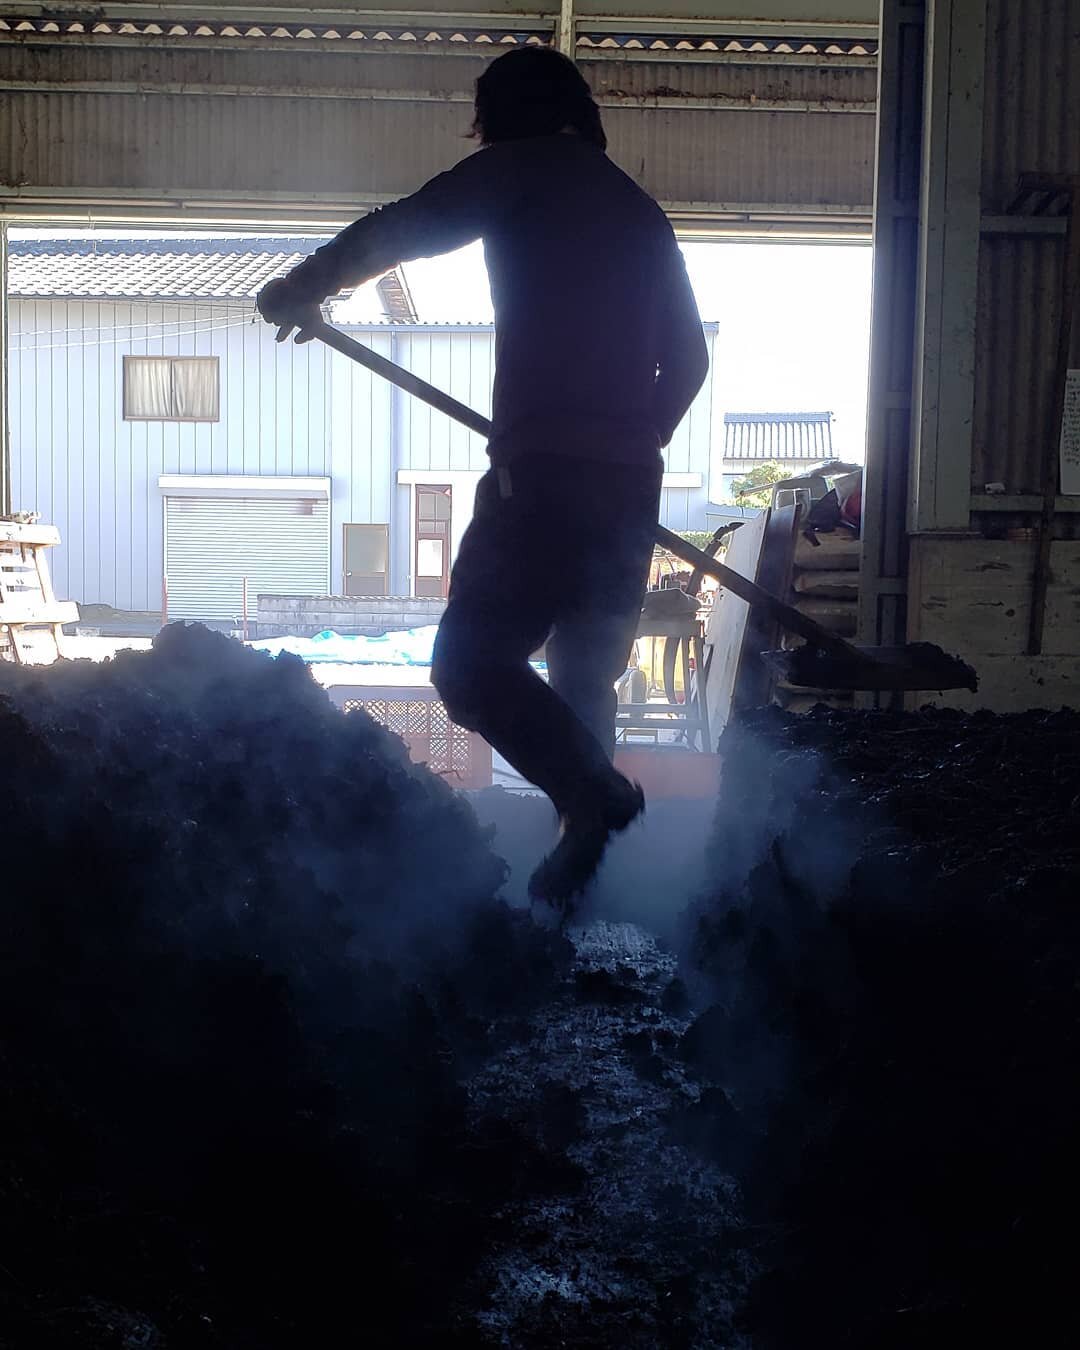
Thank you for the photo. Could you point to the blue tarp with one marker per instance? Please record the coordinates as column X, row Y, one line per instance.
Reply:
column 412, row 647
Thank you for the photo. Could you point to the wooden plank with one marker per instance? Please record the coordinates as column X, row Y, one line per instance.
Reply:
column 833, row 585
column 727, row 624
column 33, row 646
column 43, row 536
column 838, row 616
column 1014, row 683
column 44, row 579
column 60, row 611
column 833, row 552
column 972, row 596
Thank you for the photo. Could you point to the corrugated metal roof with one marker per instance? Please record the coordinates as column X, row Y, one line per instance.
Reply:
column 766, row 436
column 176, row 269
column 247, row 130
column 434, row 30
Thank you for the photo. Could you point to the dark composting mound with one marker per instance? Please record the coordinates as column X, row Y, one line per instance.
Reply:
column 247, row 952
column 891, row 947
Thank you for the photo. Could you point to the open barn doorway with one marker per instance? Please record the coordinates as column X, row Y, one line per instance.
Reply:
column 141, row 385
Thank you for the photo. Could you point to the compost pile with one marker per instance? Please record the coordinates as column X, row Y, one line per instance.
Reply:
column 248, row 953
column 891, row 948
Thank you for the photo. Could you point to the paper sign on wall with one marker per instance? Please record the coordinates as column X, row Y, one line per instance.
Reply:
column 1070, row 436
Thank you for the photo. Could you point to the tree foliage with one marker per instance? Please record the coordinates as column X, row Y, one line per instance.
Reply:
column 755, row 488
column 699, row 538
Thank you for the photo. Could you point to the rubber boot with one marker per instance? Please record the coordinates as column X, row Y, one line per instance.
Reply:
column 586, row 832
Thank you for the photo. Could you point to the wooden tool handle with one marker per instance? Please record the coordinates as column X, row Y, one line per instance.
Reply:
column 404, row 379
column 786, row 615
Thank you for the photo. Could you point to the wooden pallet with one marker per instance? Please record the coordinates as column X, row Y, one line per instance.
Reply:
column 31, row 617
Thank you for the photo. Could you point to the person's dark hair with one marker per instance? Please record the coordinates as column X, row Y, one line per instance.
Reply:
column 535, row 91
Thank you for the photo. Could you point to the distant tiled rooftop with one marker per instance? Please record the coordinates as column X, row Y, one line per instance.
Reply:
column 766, row 436
column 142, row 269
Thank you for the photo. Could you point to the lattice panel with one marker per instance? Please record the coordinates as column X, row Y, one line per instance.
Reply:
column 431, row 737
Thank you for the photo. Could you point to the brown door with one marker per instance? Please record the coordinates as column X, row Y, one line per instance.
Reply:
column 432, row 570
column 367, row 559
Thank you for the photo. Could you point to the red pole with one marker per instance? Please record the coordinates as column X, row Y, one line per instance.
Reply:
column 164, row 600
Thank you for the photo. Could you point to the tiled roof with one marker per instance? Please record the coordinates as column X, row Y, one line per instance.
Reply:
column 167, row 269
column 782, row 436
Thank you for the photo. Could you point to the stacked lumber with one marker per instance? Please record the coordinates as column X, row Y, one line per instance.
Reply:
column 31, row 617
column 825, row 587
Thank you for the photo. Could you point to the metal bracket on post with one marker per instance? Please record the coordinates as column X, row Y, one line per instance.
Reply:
column 566, row 29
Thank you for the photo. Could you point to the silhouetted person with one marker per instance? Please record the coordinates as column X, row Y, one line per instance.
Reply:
column 599, row 351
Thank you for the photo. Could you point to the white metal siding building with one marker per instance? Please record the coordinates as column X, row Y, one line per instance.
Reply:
column 304, row 444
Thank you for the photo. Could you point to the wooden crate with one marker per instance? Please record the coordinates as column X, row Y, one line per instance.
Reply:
column 31, row 617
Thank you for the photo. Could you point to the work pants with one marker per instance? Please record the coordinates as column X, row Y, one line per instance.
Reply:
column 558, row 552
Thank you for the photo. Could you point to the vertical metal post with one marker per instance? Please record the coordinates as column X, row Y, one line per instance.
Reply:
column 244, row 624
column 565, row 35
column 5, row 423
column 949, row 237
column 164, row 599
column 883, row 579
column 1051, row 470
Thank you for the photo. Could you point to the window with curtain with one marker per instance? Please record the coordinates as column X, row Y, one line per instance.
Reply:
column 171, row 388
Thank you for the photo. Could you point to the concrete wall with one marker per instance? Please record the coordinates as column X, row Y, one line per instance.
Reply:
column 973, row 597
column 306, row 615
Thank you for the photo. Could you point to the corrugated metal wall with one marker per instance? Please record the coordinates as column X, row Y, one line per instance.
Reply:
column 1031, row 125
column 283, row 123
column 1020, row 311
column 285, row 411
column 1032, row 109
column 461, row 363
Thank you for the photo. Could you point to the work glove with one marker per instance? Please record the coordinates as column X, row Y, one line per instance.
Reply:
column 291, row 307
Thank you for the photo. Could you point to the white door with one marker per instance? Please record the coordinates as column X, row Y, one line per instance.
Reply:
column 281, row 545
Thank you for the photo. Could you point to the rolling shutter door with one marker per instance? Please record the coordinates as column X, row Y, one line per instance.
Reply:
column 282, row 546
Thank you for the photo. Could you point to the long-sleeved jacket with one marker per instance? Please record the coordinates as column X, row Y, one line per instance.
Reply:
column 599, row 348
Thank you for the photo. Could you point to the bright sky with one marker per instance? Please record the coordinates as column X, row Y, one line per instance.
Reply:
column 794, row 323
